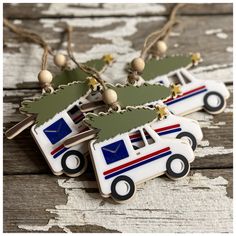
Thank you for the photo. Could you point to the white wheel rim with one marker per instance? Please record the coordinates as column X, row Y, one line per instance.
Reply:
column 213, row 100
column 72, row 162
column 122, row 188
column 177, row 166
column 189, row 140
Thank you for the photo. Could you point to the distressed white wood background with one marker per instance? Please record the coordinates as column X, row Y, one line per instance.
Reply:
column 37, row 201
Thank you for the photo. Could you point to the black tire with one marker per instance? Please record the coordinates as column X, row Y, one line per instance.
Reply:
column 129, row 194
column 170, row 173
column 79, row 168
column 210, row 108
column 188, row 136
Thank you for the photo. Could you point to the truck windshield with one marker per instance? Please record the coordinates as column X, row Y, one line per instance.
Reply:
column 174, row 79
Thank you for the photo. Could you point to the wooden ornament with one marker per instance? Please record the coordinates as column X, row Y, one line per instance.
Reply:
column 161, row 47
column 109, row 96
column 45, row 77
column 60, row 60
column 138, row 64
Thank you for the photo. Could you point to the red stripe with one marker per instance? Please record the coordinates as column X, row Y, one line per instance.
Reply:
column 57, row 149
column 135, row 161
column 186, row 93
column 167, row 127
column 157, row 130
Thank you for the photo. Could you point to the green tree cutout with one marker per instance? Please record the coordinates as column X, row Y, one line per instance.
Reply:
column 129, row 95
column 69, row 76
column 48, row 105
column 154, row 67
column 113, row 123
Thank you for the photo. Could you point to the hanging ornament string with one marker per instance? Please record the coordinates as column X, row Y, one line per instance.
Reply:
column 160, row 34
column 155, row 44
column 109, row 96
column 88, row 70
column 45, row 77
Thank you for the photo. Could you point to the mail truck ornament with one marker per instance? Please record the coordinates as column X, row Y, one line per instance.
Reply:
column 190, row 94
column 121, row 164
column 55, row 117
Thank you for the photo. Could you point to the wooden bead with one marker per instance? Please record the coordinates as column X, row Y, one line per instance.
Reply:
column 60, row 60
column 161, row 47
column 45, row 77
column 138, row 64
column 109, row 96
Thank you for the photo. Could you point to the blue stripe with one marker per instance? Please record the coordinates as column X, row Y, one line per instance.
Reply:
column 169, row 131
column 182, row 98
column 60, row 152
column 138, row 164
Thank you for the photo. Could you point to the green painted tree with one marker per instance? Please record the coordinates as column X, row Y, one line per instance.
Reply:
column 48, row 105
column 69, row 76
column 113, row 123
column 129, row 95
column 154, row 67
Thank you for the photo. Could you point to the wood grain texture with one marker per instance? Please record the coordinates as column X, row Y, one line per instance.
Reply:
column 119, row 36
column 37, row 201
column 46, row 204
column 24, row 11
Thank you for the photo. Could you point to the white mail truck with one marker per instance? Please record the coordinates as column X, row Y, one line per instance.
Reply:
column 51, row 135
column 173, row 126
column 196, row 94
column 120, row 166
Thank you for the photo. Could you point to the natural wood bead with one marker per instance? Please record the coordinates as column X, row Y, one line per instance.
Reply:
column 45, row 77
column 161, row 47
column 138, row 64
column 60, row 60
column 109, row 96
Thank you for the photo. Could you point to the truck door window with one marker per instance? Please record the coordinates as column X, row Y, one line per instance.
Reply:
column 186, row 79
column 174, row 79
column 136, row 139
column 75, row 114
column 150, row 140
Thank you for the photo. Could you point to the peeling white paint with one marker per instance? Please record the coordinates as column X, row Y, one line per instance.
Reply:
column 213, row 31
column 218, row 32
column 176, row 45
column 223, row 73
column 174, row 34
column 196, row 200
column 229, row 49
column 17, row 22
column 222, row 35
column 129, row 9
column 212, row 151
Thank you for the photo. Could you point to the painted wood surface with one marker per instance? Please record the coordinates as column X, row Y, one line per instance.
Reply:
column 35, row 200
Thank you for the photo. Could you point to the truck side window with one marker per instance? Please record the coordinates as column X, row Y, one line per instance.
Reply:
column 186, row 79
column 75, row 114
column 136, row 139
column 150, row 140
column 174, row 79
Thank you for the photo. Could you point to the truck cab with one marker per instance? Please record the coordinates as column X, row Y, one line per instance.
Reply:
column 120, row 165
column 196, row 94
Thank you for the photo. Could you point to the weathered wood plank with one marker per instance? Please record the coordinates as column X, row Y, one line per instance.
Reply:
column 36, row 11
column 21, row 155
column 120, row 36
column 42, row 203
